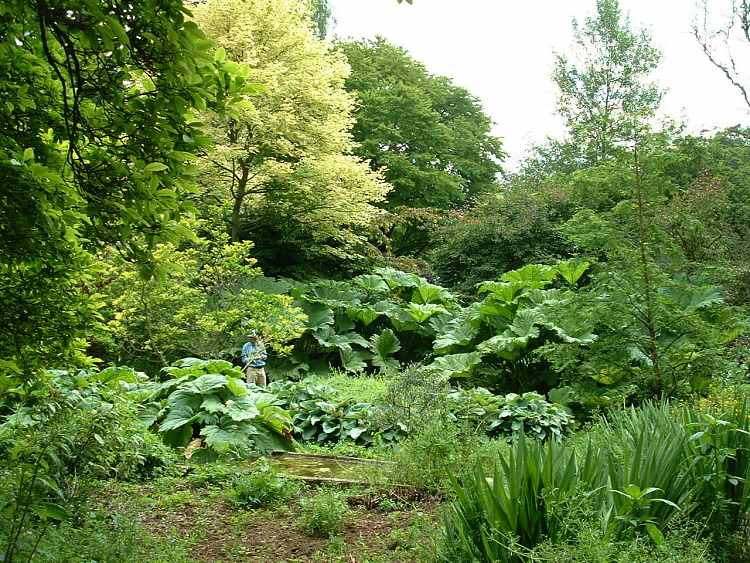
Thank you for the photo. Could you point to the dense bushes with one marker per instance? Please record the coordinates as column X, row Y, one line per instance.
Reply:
column 571, row 328
column 502, row 232
column 321, row 415
column 195, row 304
column 379, row 321
column 63, row 433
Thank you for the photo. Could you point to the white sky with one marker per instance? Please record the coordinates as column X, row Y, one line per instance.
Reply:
column 502, row 52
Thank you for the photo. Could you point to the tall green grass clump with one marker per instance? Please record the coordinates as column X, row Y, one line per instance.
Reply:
column 497, row 517
column 647, row 470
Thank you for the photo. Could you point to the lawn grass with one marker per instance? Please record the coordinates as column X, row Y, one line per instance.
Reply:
column 363, row 389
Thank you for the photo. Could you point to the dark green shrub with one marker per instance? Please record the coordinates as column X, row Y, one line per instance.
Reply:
column 413, row 399
column 501, row 233
column 110, row 538
column 52, row 450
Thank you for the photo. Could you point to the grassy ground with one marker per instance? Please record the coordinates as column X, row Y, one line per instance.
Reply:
column 362, row 389
column 202, row 524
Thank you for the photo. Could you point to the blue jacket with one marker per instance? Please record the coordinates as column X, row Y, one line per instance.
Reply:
column 254, row 354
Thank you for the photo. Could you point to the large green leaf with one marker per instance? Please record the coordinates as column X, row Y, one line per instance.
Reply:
column 457, row 365
column 218, row 366
column 327, row 338
column 207, row 383
column 441, row 322
column 179, row 437
column 396, row 278
column 693, row 298
column 352, row 360
column 371, row 283
column 496, row 313
column 236, row 386
column 575, row 334
column 572, row 328
column 535, row 297
column 343, row 322
column 531, row 276
column 212, row 404
column 274, row 417
column 429, row 293
column 385, row 307
column 572, row 270
column 400, row 318
column 50, row 511
column 365, row 314
column 177, row 416
column 165, row 388
column 266, row 440
column 503, row 291
column 460, row 334
column 185, row 396
column 335, row 294
column 383, row 346
column 524, row 324
column 318, row 314
column 241, row 408
column 420, row 313
column 270, row 286
column 504, row 345
column 222, row 439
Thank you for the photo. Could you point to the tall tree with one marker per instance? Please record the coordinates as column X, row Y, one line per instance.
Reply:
column 431, row 136
column 96, row 141
column 283, row 156
column 604, row 87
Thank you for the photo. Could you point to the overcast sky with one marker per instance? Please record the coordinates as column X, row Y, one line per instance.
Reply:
column 502, row 51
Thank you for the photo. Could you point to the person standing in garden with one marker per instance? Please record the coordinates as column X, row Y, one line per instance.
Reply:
column 254, row 360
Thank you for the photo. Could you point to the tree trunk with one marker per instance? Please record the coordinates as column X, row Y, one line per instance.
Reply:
column 236, row 208
column 239, row 197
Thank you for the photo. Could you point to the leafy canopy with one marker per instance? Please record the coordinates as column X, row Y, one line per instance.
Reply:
column 604, row 89
column 431, row 136
column 97, row 138
column 282, row 170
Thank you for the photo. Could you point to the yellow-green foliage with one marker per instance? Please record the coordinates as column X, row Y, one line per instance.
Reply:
column 195, row 305
column 722, row 399
column 282, row 155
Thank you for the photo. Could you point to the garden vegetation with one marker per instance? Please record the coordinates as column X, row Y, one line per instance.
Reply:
column 466, row 362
